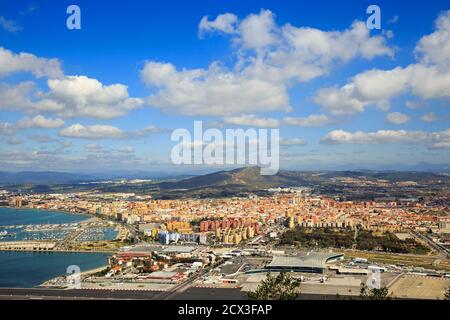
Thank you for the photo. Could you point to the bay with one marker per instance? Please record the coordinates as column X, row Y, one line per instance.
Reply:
column 30, row 269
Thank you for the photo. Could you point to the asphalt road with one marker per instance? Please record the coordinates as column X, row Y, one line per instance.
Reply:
column 88, row 294
column 191, row 293
column 443, row 252
column 36, row 293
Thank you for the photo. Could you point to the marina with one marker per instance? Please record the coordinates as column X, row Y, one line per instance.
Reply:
column 58, row 227
column 5, row 234
column 32, row 245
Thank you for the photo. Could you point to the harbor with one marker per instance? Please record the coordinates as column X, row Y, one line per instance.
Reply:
column 38, row 245
column 62, row 232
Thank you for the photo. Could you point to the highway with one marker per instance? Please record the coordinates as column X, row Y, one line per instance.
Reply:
column 51, row 294
column 104, row 294
column 443, row 252
column 193, row 293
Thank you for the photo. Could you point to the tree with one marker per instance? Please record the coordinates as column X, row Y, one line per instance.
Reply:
column 374, row 293
column 280, row 287
column 447, row 294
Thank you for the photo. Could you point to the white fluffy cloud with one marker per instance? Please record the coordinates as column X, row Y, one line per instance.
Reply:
column 225, row 23
column 397, row 118
column 92, row 132
column 80, row 96
column 270, row 59
column 435, row 48
column 68, row 97
column 106, row 132
column 290, row 53
column 27, row 62
column 429, row 78
column 40, row 121
column 258, row 31
column 378, row 87
column 339, row 101
column 15, row 97
column 314, row 120
column 252, row 121
column 211, row 92
column 434, row 140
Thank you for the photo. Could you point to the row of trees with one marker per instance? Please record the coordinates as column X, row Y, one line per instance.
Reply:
column 366, row 240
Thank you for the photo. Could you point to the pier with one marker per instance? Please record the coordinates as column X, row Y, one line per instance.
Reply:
column 27, row 246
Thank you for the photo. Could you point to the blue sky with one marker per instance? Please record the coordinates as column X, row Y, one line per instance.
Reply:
column 108, row 96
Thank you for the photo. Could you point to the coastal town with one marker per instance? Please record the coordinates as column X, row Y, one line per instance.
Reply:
column 170, row 247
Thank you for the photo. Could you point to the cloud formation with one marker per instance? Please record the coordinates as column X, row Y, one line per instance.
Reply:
column 270, row 59
column 397, row 118
column 252, row 120
column 427, row 79
column 38, row 122
column 69, row 97
column 225, row 23
column 95, row 132
column 26, row 62
column 92, row 132
column 314, row 120
column 80, row 96
column 434, row 140
column 41, row 122
column 215, row 91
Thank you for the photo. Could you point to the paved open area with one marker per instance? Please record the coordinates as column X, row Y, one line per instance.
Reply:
column 420, row 287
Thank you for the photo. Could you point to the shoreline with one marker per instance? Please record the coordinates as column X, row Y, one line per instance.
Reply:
column 47, row 283
column 50, row 210
column 53, row 281
column 98, row 258
column 87, row 217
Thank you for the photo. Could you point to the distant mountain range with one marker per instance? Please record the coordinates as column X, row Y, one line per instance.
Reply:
column 42, row 177
column 52, row 177
column 232, row 181
column 250, row 178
